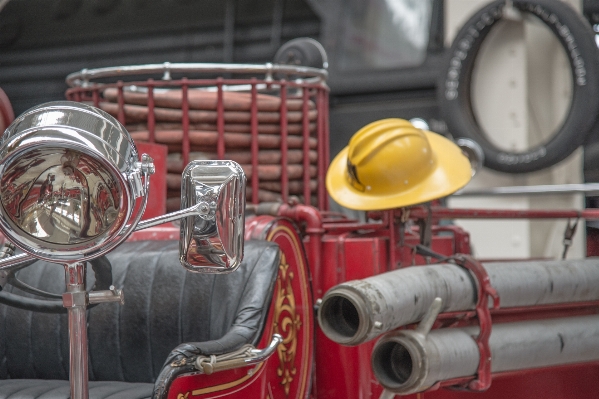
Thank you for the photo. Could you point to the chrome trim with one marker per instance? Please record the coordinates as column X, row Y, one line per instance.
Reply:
column 75, row 302
column 15, row 262
column 106, row 134
column 212, row 239
column 83, row 77
column 473, row 152
column 257, row 356
column 531, row 190
column 111, row 295
column 263, row 354
column 169, row 217
column 69, row 176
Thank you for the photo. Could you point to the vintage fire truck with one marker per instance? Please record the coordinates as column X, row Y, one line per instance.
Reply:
column 196, row 194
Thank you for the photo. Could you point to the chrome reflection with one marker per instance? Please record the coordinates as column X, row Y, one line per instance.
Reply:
column 474, row 152
column 212, row 240
column 60, row 196
column 69, row 177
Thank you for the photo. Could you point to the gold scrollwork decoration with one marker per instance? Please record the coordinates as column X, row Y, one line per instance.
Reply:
column 287, row 323
column 181, row 396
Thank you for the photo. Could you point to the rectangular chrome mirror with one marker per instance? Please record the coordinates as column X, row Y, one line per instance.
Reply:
column 212, row 239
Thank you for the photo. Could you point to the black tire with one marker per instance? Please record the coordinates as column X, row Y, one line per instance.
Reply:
column 577, row 38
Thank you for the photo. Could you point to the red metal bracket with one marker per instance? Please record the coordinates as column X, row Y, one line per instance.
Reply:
column 484, row 291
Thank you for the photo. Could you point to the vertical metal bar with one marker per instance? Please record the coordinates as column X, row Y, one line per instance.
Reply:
column 306, row 147
column 151, row 116
column 121, row 102
column 78, row 353
column 96, row 97
column 283, row 116
column 185, row 109
column 75, row 285
column 254, row 142
column 320, row 148
column 220, row 119
column 78, row 95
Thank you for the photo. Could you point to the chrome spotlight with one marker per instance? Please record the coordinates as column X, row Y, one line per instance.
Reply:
column 69, row 177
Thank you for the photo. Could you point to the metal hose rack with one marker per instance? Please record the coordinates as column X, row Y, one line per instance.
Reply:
column 272, row 118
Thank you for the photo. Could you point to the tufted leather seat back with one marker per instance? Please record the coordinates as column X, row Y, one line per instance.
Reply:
column 164, row 306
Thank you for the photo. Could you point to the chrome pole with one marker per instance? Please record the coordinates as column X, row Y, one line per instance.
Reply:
column 74, row 299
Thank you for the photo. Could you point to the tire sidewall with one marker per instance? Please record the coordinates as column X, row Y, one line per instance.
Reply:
column 454, row 89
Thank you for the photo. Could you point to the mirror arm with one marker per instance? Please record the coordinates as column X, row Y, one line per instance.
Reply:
column 169, row 217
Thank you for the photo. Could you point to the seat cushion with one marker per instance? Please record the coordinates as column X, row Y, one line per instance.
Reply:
column 165, row 306
column 58, row 389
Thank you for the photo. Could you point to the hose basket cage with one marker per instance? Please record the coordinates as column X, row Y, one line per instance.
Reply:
column 272, row 119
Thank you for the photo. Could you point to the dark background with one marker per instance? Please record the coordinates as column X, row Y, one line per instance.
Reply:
column 42, row 41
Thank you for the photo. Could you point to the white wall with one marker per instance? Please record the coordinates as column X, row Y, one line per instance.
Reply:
column 521, row 89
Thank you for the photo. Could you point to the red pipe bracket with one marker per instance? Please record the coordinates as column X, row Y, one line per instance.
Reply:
column 484, row 291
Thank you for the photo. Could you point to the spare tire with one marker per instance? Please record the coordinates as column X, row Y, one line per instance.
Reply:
column 302, row 51
column 578, row 40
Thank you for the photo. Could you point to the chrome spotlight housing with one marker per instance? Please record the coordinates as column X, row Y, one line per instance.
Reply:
column 69, row 178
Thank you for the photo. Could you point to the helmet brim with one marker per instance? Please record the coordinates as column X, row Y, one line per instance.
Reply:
column 452, row 172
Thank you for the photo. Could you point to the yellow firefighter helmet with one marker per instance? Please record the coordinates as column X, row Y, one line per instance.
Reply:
column 390, row 164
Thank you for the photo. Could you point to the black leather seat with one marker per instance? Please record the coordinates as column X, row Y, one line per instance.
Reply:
column 165, row 306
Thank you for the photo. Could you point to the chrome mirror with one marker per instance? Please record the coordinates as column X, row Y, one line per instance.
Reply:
column 212, row 239
column 473, row 152
column 69, row 178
